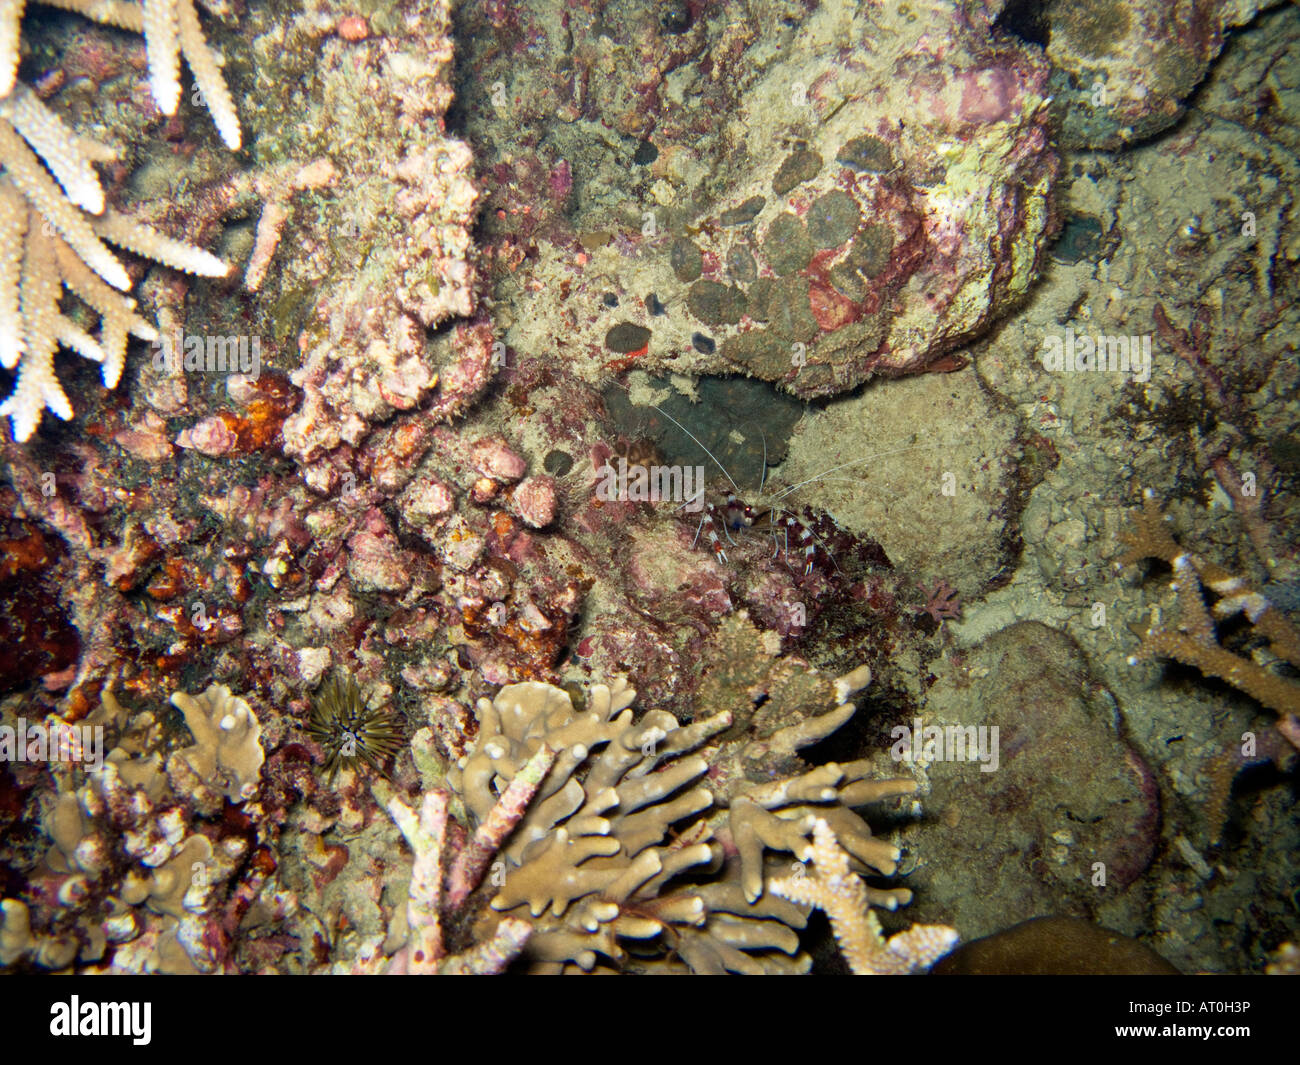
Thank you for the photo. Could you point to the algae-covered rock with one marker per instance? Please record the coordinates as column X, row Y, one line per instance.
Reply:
column 865, row 153
column 789, row 311
column 1065, row 816
column 687, row 262
column 1122, row 69
column 798, row 167
column 743, row 213
column 627, row 336
column 716, row 304
column 832, row 218
column 758, row 352
column 1055, row 946
column 911, row 175
column 786, row 245
column 741, row 265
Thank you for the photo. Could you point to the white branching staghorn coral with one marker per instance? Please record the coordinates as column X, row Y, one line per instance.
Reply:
column 34, row 265
column 171, row 29
column 841, row 894
column 53, row 217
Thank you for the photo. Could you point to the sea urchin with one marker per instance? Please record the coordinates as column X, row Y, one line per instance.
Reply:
column 349, row 731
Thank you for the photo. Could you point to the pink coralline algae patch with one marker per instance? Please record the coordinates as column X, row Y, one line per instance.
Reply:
column 461, row 545
column 426, row 503
column 776, row 601
column 463, row 379
column 534, row 500
column 561, row 180
column 663, row 670
column 991, row 95
column 211, row 437
column 146, row 439
column 493, row 458
column 377, row 563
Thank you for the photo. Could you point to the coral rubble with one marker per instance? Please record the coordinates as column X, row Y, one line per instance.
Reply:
column 410, row 200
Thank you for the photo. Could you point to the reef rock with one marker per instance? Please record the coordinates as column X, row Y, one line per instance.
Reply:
column 407, row 203
column 883, row 195
column 1055, row 946
column 1067, row 816
column 1121, row 68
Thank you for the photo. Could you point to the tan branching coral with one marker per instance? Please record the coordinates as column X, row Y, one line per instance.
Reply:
column 593, row 852
column 1193, row 639
column 624, row 857
column 165, row 890
column 18, row 942
column 131, row 865
column 565, row 849
column 227, row 753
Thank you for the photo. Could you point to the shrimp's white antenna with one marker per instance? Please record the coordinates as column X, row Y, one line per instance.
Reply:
column 735, row 487
column 825, row 474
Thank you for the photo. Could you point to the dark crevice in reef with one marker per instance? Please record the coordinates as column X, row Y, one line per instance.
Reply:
column 1028, row 20
column 737, row 419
